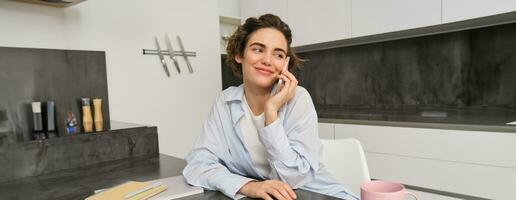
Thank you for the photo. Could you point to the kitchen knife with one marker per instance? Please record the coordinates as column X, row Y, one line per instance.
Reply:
column 171, row 52
column 161, row 58
column 184, row 54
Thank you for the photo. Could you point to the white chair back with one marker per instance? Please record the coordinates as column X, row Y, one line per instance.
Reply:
column 345, row 160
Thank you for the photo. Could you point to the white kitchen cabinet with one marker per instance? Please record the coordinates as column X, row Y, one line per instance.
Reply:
column 229, row 8
column 326, row 130
column 311, row 22
column 319, row 21
column 330, row 20
column 473, row 163
column 476, row 147
column 371, row 17
column 463, row 178
column 457, row 10
column 255, row 8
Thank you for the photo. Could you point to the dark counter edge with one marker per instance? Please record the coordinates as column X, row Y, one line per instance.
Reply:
column 38, row 157
column 443, row 126
column 82, row 136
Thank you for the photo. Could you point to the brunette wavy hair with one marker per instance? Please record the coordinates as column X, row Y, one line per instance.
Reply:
column 238, row 41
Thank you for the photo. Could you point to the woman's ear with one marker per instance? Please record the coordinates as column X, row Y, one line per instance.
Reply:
column 238, row 59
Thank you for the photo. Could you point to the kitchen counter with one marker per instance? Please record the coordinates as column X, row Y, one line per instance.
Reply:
column 471, row 119
column 35, row 157
column 80, row 183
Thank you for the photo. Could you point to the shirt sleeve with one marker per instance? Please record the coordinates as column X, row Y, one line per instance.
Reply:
column 292, row 142
column 204, row 167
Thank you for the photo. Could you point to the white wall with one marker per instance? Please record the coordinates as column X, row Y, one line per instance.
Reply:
column 139, row 91
column 27, row 25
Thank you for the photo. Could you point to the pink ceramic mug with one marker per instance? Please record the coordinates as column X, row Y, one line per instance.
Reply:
column 383, row 190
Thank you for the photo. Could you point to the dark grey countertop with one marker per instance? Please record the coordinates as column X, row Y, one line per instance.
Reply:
column 119, row 125
column 80, row 183
column 472, row 119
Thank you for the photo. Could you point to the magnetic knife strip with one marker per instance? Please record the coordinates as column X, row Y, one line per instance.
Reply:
column 171, row 54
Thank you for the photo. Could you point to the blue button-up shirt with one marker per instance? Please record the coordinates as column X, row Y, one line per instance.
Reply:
column 221, row 161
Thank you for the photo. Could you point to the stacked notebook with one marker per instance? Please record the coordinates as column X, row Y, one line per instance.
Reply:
column 161, row 189
column 177, row 188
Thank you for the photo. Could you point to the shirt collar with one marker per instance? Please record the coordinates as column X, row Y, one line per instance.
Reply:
column 235, row 94
column 233, row 98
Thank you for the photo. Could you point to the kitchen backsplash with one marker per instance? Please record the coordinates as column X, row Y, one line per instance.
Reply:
column 470, row 68
column 62, row 76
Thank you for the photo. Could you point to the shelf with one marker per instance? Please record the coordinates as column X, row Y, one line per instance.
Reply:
column 53, row 3
column 116, row 127
column 230, row 20
column 228, row 25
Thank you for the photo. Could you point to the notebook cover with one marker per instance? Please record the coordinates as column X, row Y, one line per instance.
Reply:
column 120, row 191
column 177, row 188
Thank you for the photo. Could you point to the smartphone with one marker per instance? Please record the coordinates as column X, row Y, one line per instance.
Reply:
column 280, row 81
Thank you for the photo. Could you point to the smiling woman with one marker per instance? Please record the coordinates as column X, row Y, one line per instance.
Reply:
column 240, row 41
column 255, row 142
column 266, row 44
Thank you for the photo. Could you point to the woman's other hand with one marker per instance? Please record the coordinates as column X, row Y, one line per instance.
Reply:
column 268, row 190
column 284, row 93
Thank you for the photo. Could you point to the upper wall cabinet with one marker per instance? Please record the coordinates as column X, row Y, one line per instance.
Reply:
column 311, row 22
column 328, row 20
column 255, row 8
column 319, row 21
column 373, row 17
column 457, row 10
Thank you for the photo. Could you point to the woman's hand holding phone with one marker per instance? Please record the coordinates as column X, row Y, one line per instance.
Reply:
column 285, row 90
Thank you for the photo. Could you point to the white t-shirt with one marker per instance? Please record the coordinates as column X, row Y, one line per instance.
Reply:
column 250, row 127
